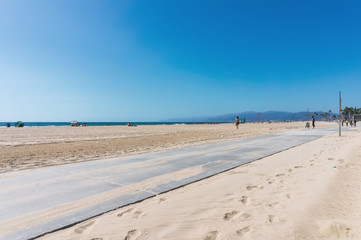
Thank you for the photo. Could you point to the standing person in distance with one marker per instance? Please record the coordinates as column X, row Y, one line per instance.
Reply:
column 313, row 122
column 237, row 122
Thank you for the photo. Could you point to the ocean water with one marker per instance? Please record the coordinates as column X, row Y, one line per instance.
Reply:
column 66, row 124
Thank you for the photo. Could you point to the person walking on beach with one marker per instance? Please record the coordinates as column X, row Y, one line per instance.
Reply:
column 237, row 122
column 313, row 122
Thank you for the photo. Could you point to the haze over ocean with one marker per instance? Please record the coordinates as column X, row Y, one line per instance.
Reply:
column 128, row 61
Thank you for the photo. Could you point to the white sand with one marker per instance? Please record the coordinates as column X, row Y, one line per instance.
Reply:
column 308, row 192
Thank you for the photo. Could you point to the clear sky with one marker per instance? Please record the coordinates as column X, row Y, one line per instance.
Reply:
column 152, row 60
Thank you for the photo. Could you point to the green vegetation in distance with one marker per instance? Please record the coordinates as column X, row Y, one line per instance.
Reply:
column 346, row 112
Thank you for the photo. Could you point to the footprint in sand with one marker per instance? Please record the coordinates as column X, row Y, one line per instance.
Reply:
column 270, row 181
column 243, row 231
column 125, row 212
column 341, row 161
column 229, row 216
column 249, row 188
column 336, row 230
column 288, row 196
column 82, row 228
column 330, row 159
column 97, row 239
column 211, row 235
column 290, row 170
column 280, row 175
column 138, row 214
column 244, row 199
column 132, row 234
column 272, row 218
column 298, row 167
column 162, row 199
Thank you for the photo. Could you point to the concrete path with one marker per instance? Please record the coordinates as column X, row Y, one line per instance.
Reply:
column 39, row 201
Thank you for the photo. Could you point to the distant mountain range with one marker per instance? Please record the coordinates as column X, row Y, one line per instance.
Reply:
column 252, row 117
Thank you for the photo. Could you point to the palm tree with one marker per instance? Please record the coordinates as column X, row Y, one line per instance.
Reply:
column 348, row 112
column 326, row 115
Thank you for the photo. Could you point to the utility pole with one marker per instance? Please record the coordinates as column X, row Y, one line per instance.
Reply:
column 339, row 115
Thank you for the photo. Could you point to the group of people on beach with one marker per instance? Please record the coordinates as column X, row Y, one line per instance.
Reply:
column 352, row 123
column 313, row 123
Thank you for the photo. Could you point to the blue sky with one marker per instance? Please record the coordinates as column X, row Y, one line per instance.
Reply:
column 153, row 60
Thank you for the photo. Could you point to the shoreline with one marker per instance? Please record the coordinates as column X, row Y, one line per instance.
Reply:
column 135, row 124
column 103, row 124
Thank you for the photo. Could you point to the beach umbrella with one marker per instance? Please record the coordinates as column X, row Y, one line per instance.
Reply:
column 19, row 124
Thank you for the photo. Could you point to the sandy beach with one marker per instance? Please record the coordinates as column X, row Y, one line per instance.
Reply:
column 34, row 147
column 308, row 192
